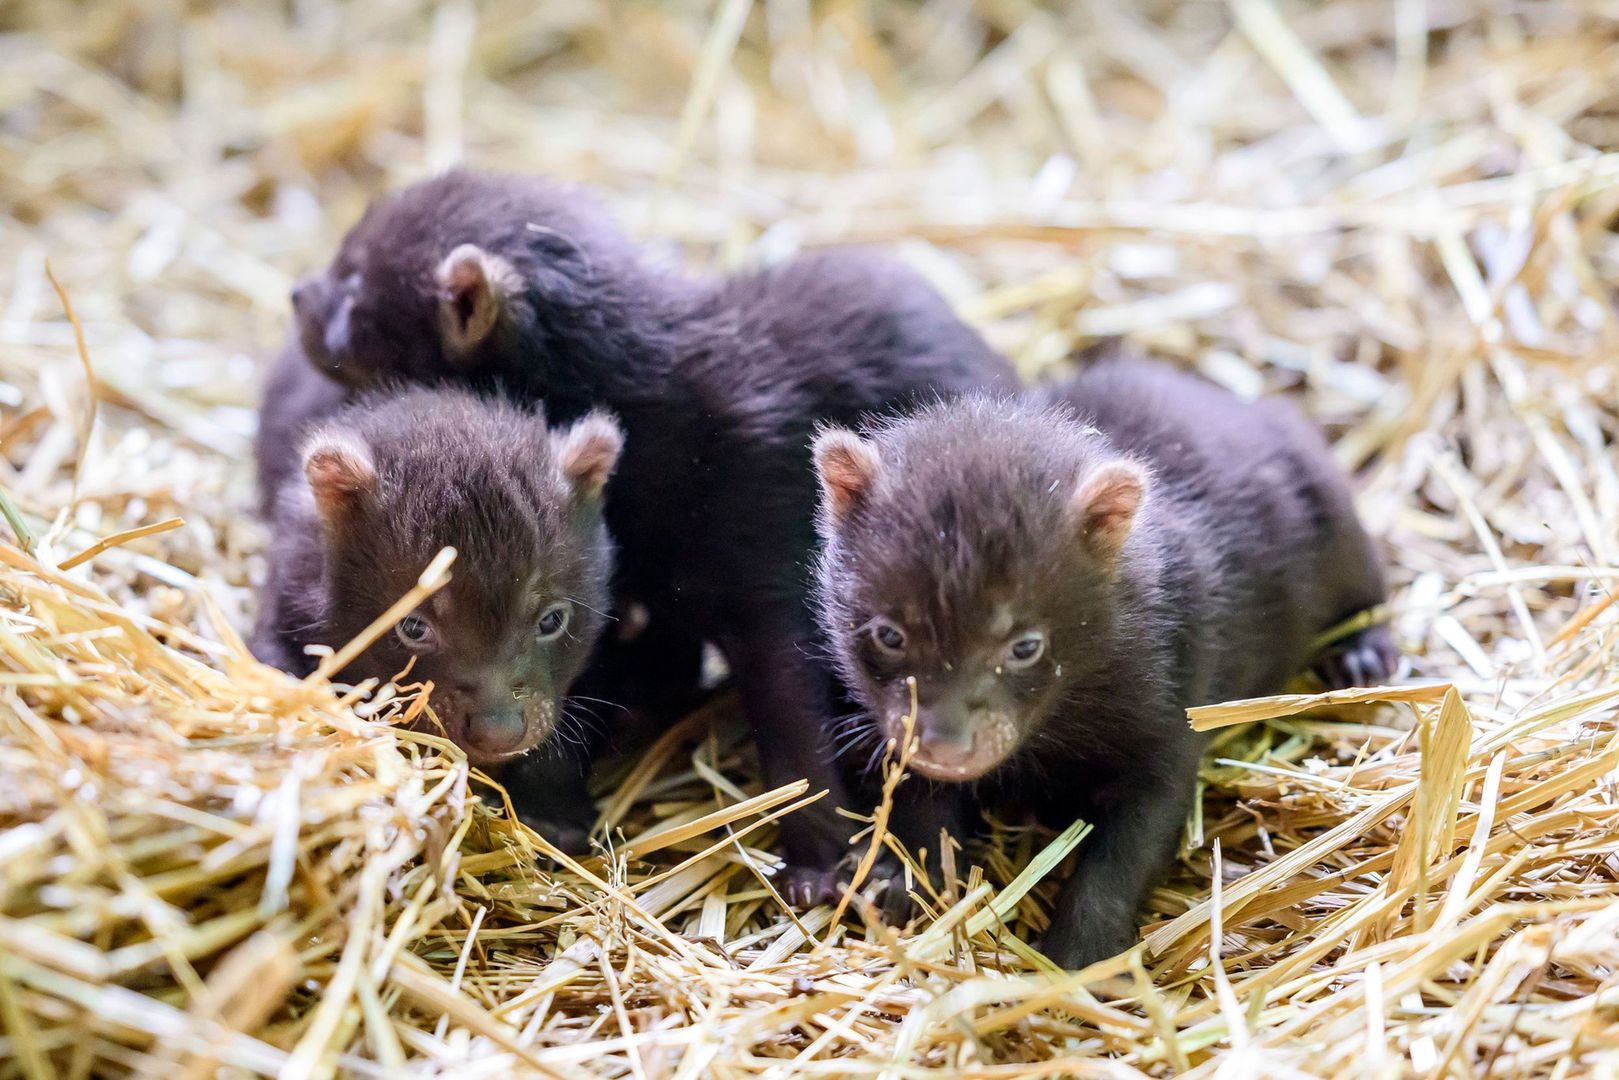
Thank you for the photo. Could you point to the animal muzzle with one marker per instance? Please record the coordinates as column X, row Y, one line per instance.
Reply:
column 509, row 728
column 959, row 747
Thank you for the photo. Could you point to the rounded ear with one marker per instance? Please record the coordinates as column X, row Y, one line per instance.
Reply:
column 472, row 288
column 847, row 467
column 1104, row 505
column 587, row 452
column 341, row 473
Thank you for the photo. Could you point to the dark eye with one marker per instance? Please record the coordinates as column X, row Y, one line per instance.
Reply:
column 1026, row 650
column 553, row 621
column 888, row 637
column 415, row 633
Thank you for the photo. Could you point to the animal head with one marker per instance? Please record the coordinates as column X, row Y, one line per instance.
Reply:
column 465, row 275
column 973, row 548
column 396, row 480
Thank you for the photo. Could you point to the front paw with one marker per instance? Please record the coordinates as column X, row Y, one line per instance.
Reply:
column 1074, row 944
column 1367, row 657
column 903, row 898
column 806, row 886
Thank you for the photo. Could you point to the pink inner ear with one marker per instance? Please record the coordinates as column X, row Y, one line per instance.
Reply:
column 1106, row 505
column 470, row 283
column 339, row 474
column 590, row 450
column 847, row 466
column 463, row 279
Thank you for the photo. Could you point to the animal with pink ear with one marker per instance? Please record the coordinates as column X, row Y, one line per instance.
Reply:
column 1057, row 578
column 389, row 481
column 522, row 285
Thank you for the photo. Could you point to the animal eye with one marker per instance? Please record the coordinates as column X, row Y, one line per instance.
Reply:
column 888, row 637
column 553, row 621
column 415, row 633
column 1026, row 650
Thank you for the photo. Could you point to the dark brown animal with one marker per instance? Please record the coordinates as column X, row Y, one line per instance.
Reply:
column 390, row 480
column 295, row 396
column 641, row 677
column 523, row 284
column 1063, row 575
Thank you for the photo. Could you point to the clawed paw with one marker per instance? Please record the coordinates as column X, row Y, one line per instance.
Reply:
column 899, row 903
column 1367, row 657
column 808, row 886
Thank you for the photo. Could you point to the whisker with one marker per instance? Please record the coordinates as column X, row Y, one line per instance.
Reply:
column 599, row 701
column 594, row 611
column 567, row 733
column 584, row 720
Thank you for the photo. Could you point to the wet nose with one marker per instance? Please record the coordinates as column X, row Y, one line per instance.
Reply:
column 945, row 729
column 497, row 731
column 946, row 745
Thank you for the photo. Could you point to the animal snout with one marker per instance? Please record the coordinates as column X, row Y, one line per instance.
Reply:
column 497, row 731
column 959, row 743
column 495, row 720
column 513, row 718
column 945, row 731
column 946, row 745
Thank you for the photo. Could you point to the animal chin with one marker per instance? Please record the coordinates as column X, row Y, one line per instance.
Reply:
column 956, row 771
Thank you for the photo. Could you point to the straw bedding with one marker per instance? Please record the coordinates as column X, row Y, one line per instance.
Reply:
column 1398, row 211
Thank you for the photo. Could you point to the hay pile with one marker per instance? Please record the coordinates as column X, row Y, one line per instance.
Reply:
column 1398, row 210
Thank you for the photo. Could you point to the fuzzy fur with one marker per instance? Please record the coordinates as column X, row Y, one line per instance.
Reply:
column 970, row 533
column 719, row 386
column 452, row 469
column 295, row 396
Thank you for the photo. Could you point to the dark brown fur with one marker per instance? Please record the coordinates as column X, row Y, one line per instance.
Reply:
column 295, row 396
column 640, row 678
column 718, row 385
column 389, row 481
column 1166, row 545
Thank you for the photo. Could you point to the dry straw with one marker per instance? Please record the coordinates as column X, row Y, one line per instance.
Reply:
column 1398, row 211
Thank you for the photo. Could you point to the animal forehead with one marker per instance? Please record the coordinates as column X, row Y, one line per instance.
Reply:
column 956, row 542
column 446, row 211
column 953, row 604
column 393, row 266
column 447, row 482
column 497, row 556
column 484, row 602
column 396, row 244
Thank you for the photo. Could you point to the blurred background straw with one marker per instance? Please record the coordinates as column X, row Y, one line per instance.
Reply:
column 1399, row 211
